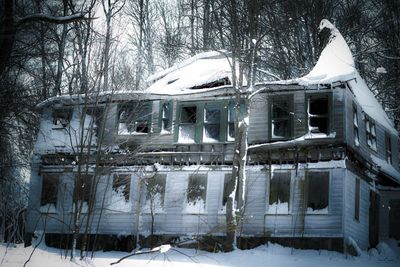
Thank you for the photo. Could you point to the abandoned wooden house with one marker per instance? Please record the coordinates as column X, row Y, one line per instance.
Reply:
column 323, row 158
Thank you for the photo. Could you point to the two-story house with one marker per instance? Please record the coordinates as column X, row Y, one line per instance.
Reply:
column 323, row 160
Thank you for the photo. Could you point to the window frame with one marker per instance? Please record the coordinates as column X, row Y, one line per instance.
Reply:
column 370, row 133
column 222, row 134
column 134, row 121
column 289, row 98
column 270, row 178
column 388, row 148
column 53, row 205
column 357, row 199
column 161, row 118
column 204, row 177
column 356, row 126
column 316, row 96
column 307, row 191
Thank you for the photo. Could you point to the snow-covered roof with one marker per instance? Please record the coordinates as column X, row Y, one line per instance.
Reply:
column 386, row 168
column 204, row 68
column 336, row 64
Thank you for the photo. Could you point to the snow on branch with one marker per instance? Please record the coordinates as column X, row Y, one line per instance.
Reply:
column 52, row 19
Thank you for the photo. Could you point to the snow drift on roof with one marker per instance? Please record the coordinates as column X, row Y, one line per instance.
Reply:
column 202, row 69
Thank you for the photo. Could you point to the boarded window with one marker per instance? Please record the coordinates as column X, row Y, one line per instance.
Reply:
column 166, row 112
column 187, row 124
column 62, row 117
column 134, row 117
column 281, row 112
column 317, row 192
column 197, row 188
column 357, row 200
column 212, row 122
column 388, row 145
column 355, row 126
column 156, row 190
column 49, row 189
column 83, row 187
column 318, row 115
column 279, row 192
column 370, row 132
column 122, row 186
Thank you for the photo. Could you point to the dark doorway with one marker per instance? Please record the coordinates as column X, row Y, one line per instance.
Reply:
column 394, row 219
column 373, row 219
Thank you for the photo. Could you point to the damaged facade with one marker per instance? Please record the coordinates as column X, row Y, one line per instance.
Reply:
column 323, row 164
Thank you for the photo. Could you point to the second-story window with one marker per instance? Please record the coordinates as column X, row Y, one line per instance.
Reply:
column 318, row 115
column 388, row 145
column 134, row 117
column 165, row 117
column 370, row 132
column 281, row 113
column 355, row 126
column 187, row 124
column 62, row 117
column 212, row 124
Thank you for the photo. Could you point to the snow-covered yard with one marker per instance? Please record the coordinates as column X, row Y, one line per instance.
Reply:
column 387, row 254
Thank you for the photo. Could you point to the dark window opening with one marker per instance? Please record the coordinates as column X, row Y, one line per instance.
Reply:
column 49, row 190
column 166, row 117
column 281, row 112
column 355, row 126
column 83, row 187
column 212, row 118
column 388, row 144
column 220, row 82
column 197, row 188
column 370, row 132
column 62, row 117
column 357, row 200
column 318, row 115
column 134, row 117
column 317, row 191
column 156, row 189
column 122, row 185
column 231, row 119
column 279, row 191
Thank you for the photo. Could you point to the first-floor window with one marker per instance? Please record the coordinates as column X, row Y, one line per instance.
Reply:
column 155, row 192
column 317, row 192
column 357, row 200
column 196, row 193
column 120, row 193
column 49, row 190
column 83, row 189
column 279, row 192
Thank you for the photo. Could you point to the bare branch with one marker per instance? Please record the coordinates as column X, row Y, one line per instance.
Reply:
column 52, row 19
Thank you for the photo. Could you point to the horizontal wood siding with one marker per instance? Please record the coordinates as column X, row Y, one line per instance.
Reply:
column 357, row 230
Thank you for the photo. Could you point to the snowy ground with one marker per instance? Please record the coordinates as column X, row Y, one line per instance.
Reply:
column 387, row 254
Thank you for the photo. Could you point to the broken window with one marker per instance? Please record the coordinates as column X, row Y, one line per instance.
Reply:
column 120, row 193
column 62, row 117
column 212, row 120
column 279, row 192
column 370, row 132
column 83, row 187
column 134, row 117
column 187, row 124
column 281, row 122
column 49, row 190
column 317, row 192
column 121, row 186
column 357, row 200
column 196, row 193
column 388, row 145
column 166, row 112
column 156, row 191
column 318, row 115
column 355, row 126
